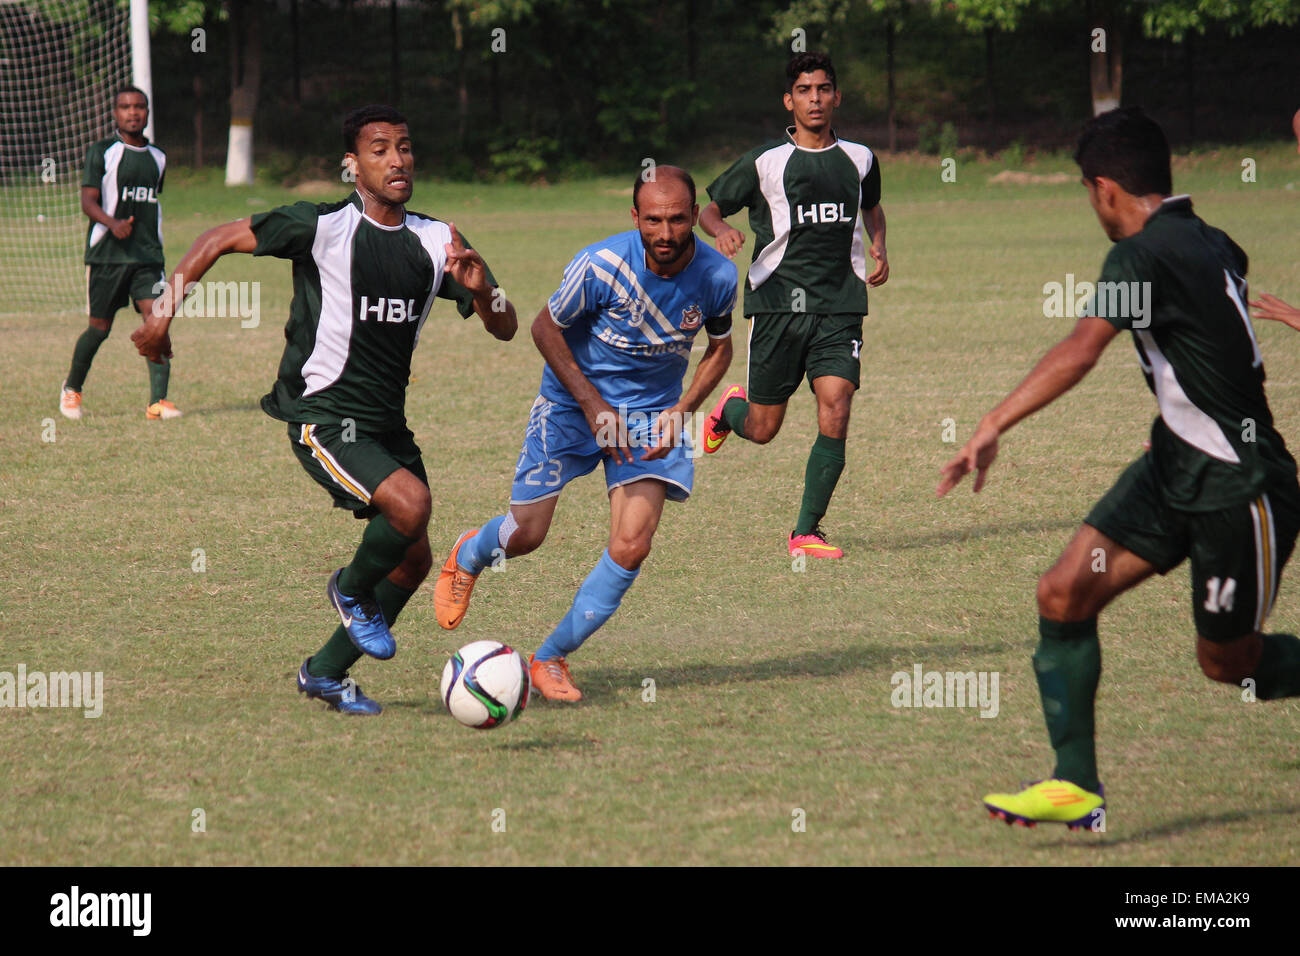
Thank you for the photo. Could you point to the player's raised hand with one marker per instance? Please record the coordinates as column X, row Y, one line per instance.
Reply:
column 1271, row 307
column 464, row 264
column 976, row 455
column 729, row 241
column 121, row 228
column 881, row 275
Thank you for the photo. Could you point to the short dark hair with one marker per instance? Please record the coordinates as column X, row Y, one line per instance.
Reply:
column 674, row 172
column 361, row 117
column 1129, row 147
column 802, row 63
column 129, row 89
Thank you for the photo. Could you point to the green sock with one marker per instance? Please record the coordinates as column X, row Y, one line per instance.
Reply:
column 159, row 373
column 83, row 353
column 825, row 462
column 1278, row 673
column 339, row 653
column 382, row 549
column 1068, row 666
column 733, row 413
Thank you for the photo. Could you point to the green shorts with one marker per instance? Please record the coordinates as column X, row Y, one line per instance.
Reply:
column 1237, row 553
column 786, row 346
column 114, row 286
column 350, row 464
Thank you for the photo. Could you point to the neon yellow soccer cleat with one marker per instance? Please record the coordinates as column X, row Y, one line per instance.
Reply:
column 1049, row 801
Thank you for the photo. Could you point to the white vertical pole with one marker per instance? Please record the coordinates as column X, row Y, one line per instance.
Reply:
column 141, row 68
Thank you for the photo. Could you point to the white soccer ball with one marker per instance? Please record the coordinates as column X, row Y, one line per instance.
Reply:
column 40, row 217
column 485, row 684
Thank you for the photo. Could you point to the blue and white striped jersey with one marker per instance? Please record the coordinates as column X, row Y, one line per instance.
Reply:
column 630, row 330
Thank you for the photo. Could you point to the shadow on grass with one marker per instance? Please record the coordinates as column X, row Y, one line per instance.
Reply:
column 1174, row 828
column 601, row 683
column 964, row 534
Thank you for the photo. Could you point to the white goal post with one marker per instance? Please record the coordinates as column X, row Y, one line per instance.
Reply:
column 60, row 61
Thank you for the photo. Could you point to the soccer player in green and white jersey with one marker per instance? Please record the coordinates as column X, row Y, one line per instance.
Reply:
column 806, row 292
column 365, row 274
column 1217, row 485
column 124, row 253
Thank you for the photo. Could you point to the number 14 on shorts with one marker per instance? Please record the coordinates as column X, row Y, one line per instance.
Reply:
column 1219, row 594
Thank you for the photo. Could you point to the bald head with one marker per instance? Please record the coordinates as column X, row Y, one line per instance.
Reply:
column 663, row 179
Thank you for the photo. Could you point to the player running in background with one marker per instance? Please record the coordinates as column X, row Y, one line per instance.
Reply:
column 806, row 293
column 616, row 337
column 124, row 251
column 1217, row 484
column 365, row 274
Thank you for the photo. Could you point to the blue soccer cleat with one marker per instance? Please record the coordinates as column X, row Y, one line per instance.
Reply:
column 342, row 695
column 363, row 620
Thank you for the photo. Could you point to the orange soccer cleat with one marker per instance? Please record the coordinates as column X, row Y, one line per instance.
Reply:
column 69, row 402
column 716, row 429
column 814, row 545
column 552, row 679
column 451, row 593
column 162, row 409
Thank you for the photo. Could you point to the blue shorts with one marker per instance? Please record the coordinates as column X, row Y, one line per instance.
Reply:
column 559, row 446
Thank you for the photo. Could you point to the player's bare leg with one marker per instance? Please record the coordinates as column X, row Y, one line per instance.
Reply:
column 404, row 500
column 159, row 377
column 520, row 531
column 763, row 422
column 1091, row 572
column 634, row 513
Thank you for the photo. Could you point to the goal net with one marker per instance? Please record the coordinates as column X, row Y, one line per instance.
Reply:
column 60, row 61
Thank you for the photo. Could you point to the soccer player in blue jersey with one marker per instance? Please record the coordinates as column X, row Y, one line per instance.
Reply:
column 616, row 337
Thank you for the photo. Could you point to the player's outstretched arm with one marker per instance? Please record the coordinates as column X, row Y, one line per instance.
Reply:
column 1271, row 307
column 90, row 198
column 873, row 220
column 1063, row 367
column 713, row 365
column 151, row 338
column 729, row 238
column 605, row 423
column 468, row 268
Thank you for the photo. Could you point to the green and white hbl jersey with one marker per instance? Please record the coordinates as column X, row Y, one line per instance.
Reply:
column 1180, row 286
column 361, row 294
column 129, row 180
column 804, row 211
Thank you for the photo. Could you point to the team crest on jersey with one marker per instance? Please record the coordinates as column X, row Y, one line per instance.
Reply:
column 691, row 318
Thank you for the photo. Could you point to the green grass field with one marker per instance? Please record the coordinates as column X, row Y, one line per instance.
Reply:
column 772, row 685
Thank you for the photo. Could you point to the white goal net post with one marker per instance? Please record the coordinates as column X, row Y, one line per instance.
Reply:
column 60, row 62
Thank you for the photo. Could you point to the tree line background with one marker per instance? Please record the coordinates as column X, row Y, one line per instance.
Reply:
column 531, row 89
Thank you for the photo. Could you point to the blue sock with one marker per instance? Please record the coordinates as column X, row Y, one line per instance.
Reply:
column 593, row 605
column 476, row 553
